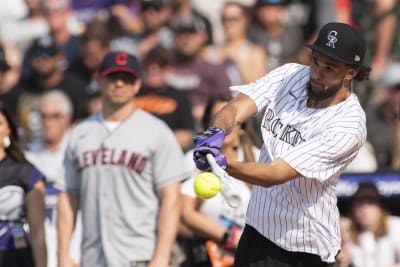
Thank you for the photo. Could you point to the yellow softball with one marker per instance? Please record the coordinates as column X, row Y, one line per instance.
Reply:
column 206, row 185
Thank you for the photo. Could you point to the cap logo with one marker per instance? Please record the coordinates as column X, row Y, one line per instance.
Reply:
column 121, row 58
column 332, row 39
column 357, row 58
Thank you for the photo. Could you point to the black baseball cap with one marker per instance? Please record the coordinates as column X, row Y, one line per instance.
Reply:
column 44, row 47
column 120, row 61
column 340, row 41
column 3, row 61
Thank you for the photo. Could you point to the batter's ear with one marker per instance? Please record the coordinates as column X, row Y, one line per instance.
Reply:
column 351, row 74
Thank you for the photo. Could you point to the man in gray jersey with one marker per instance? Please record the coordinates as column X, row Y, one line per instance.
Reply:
column 313, row 126
column 123, row 169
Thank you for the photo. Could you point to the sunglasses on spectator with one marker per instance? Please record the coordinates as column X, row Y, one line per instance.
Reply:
column 51, row 116
column 127, row 78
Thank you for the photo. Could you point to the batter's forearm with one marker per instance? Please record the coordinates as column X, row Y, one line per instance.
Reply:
column 263, row 174
column 234, row 113
column 67, row 208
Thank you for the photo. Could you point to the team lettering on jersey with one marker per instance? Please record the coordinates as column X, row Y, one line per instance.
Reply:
column 285, row 133
column 111, row 156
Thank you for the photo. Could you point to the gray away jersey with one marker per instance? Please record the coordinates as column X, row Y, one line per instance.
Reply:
column 117, row 175
column 301, row 215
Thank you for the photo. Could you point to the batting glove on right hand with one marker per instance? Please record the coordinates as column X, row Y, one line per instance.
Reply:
column 209, row 141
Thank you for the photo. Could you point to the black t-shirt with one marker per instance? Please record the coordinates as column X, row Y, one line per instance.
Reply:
column 17, row 179
column 170, row 105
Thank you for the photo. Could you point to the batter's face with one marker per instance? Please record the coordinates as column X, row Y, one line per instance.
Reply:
column 119, row 88
column 327, row 77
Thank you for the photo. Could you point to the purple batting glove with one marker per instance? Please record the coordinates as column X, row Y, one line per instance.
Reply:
column 206, row 142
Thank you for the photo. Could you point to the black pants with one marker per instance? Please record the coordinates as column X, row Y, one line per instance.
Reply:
column 255, row 250
column 16, row 258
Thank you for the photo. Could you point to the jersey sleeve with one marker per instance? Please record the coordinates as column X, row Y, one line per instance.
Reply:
column 324, row 156
column 168, row 159
column 69, row 181
column 32, row 176
column 269, row 87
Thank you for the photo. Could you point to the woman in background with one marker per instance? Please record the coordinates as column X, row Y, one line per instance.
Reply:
column 22, row 193
column 244, row 60
column 374, row 233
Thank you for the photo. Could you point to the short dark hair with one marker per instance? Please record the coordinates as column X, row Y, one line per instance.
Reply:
column 97, row 31
column 157, row 55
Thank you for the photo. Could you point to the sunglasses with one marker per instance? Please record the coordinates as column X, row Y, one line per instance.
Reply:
column 127, row 78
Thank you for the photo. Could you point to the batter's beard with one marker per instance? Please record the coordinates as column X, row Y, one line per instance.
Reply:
column 324, row 94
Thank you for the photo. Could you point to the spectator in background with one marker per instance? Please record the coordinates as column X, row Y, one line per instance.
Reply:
column 212, row 10
column 213, row 219
column 128, row 15
column 198, row 78
column 47, row 75
column 56, row 117
column 10, row 69
column 374, row 233
column 123, row 169
column 184, row 8
column 22, row 192
column 20, row 33
column 281, row 43
column 95, row 44
column 57, row 14
column 155, row 16
column 237, row 53
column 127, row 12
column 163, row 101
column 383, row 120
column 378, row 21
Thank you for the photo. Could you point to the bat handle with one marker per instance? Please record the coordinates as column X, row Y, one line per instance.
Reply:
column 229, row 188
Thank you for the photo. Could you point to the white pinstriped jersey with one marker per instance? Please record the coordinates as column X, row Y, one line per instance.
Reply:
column 301, row 215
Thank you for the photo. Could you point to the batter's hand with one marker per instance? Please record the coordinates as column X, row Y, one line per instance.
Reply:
column 209, row 141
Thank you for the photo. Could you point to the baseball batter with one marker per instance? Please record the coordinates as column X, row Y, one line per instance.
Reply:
column 123, row 168
column 313, row 126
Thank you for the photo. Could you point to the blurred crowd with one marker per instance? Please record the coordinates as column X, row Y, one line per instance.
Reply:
column 191, row 51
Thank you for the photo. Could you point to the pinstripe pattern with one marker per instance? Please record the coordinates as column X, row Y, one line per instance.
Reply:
column 301, row 215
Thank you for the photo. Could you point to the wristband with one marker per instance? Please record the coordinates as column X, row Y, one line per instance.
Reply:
column 228, row 239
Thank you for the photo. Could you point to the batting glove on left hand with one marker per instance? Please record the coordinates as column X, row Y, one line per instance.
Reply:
column 209, row 141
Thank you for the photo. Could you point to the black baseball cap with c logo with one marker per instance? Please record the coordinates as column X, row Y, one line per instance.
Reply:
column 341, row 42
column 120, row 61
